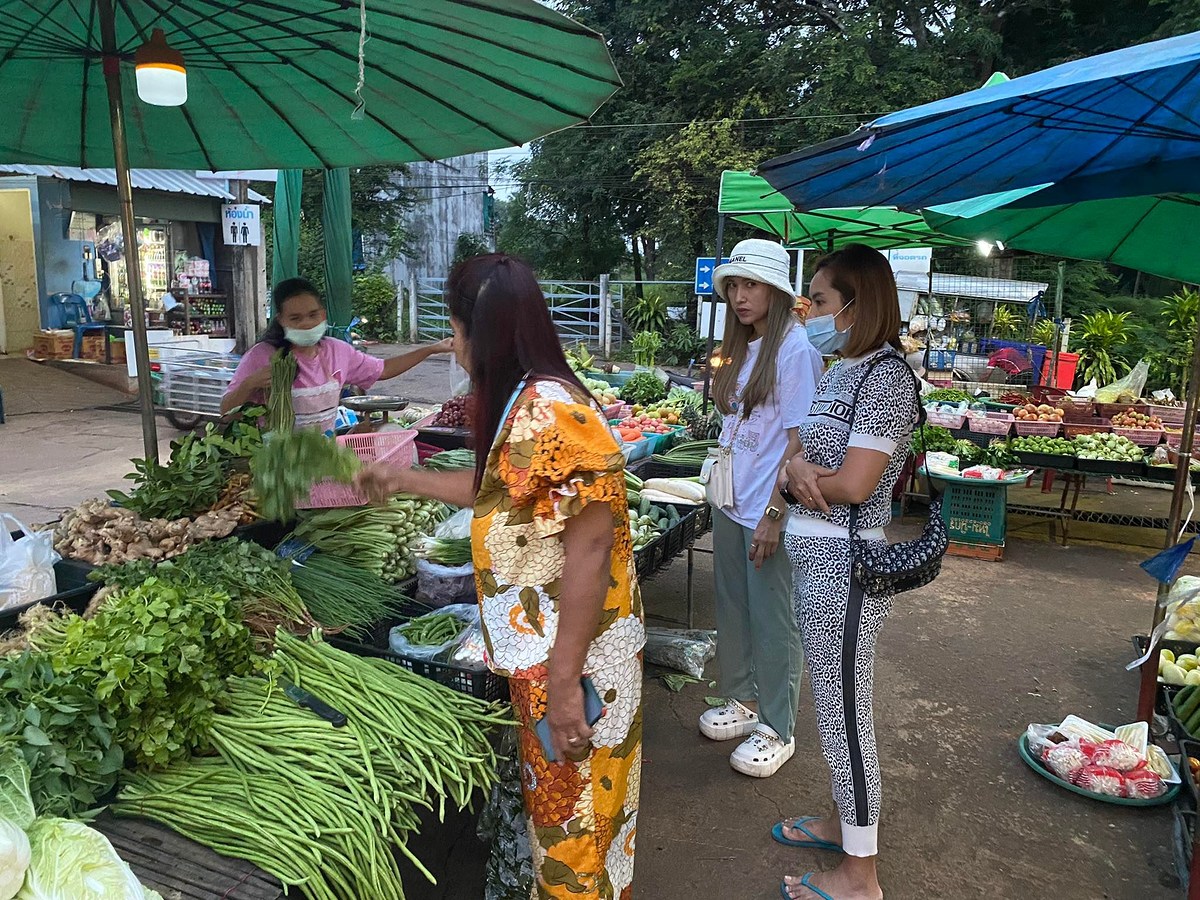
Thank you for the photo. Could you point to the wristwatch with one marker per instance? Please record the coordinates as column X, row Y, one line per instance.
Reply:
column 774, row 513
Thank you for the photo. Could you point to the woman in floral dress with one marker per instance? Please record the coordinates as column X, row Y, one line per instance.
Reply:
column 555, row 576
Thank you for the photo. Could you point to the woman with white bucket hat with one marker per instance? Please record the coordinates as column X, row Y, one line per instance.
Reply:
column 763, row 387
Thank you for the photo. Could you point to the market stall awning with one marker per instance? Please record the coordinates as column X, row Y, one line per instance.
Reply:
column 167, row 180
column 750, row 199
column 1117, row 124
column 1137, row 232
column 973, row 287
column 272, row 86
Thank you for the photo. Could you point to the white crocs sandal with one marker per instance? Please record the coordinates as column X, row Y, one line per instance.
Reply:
column 762, row 754
column 728, row 722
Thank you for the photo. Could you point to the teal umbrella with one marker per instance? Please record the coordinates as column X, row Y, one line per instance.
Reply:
column 298, row 84
column 1136, row 232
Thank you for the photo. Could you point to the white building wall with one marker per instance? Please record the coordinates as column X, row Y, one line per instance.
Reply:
column 449, row 202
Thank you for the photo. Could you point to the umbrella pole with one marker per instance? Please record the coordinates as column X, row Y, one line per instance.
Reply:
column 1149, row 685
column 712, row 311
column 137, row 305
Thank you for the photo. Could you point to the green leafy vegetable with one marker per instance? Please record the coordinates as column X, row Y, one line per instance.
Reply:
column 70, row 861
column 342, row 596
column 946, row 395
column 61, row 730
column 1000, row 455
column 291, row 462
column 933, row 439
column 643, row 389
column 16, row 805
column 156, row 657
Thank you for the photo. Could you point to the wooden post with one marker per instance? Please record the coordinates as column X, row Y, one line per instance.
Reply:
column 413, row 330
column 605, row 317
column 244, row 291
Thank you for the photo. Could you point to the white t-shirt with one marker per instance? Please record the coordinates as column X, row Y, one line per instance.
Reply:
column 759, row 442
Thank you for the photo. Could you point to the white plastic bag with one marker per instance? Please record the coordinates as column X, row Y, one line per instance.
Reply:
column 26, row 563
column 467, row 612
column 460, row 378
column 439, row 585
column 457, row 527
column 1127, row 389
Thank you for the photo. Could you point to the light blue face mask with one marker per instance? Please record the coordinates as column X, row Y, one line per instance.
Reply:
column 306, row 337
column 824, row 335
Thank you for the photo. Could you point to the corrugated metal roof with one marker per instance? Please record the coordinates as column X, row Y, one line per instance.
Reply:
column 170, row 180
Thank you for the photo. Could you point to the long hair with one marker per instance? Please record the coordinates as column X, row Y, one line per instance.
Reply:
column 500, row 305
column 761, row 383
column 863, row 274
column 282, row 293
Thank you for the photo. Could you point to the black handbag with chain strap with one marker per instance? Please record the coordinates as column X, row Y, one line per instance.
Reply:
column 880, row 568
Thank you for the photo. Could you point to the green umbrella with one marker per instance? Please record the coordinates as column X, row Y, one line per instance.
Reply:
column 273, row 84
column 752, row 200
column 1136, row 232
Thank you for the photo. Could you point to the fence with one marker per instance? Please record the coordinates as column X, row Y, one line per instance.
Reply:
column 581, row 310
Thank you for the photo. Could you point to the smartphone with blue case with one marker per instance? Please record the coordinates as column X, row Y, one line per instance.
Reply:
column 593, row 710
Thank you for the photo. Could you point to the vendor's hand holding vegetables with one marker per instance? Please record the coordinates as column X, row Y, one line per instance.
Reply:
column 549, row 498
column 319, row 367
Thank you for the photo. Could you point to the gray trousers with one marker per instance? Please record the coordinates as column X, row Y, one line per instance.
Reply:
column 759, row 648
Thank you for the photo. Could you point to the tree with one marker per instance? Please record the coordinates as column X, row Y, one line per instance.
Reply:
column 469, row 244
column 378, row 207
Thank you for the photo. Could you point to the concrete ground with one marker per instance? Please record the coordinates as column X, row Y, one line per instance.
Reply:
column 964, row 665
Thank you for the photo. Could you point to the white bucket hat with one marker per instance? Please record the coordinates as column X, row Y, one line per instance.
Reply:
column 764, row 261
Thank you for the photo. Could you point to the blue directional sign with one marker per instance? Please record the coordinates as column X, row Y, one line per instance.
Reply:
column 704, row 272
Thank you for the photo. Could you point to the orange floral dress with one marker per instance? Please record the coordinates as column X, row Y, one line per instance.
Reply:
column 553, row 455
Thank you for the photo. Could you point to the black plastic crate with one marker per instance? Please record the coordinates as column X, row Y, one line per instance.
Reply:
column 481, row 684
column 74, row 592
column 646, row 469
column 1046, row 461
column 1110, row 467
column 683, row 535
column 649, row 559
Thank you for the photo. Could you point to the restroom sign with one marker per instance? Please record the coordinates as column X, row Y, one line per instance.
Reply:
column 240, row 225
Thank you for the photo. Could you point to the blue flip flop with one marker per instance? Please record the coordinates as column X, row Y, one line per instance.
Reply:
column 815, row 843
column 804, row 882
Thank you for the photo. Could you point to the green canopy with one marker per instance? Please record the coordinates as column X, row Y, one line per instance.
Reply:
column 339, row 246
column 276, row 85
column 1136, row 232
column 748, row 198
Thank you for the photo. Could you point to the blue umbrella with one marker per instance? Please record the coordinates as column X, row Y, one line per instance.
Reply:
column 1120, row 124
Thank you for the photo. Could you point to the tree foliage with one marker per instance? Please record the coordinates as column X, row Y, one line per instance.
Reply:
column 713, row 84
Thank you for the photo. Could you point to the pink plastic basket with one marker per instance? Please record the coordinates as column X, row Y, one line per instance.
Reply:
column 1143, row 437
column 1096, row 426
column 992, row 423
column 945, row 419
column 1175, row 438
column 1170, row 415
column 1037, row 429
column 388, row 446
column 614, row 411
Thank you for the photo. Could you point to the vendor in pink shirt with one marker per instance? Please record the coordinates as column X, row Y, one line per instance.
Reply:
column 324, row 365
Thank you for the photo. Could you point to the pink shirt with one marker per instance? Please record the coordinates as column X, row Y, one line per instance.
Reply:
column 334, row 360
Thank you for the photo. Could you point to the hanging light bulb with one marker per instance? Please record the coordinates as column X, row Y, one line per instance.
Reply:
column 161, row 75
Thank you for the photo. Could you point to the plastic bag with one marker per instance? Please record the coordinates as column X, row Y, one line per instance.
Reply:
column 439, row 585
column 457, row 527
column 466, row 612
column 685, row 651
column 504, row 828
column 471, row 652
column 1127, row 389
column 460, row 378
column 26, row 563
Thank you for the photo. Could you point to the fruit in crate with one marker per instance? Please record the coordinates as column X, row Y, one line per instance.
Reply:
column 1131, row 418
column 1034, row 412
column 1108, row 447
column 646, row 424
column 1048, row 446
column 605, row 393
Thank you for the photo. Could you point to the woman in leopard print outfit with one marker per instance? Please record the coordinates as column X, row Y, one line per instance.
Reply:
column 855, row 440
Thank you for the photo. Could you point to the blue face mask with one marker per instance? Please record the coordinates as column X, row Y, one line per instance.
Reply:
column 824, row 335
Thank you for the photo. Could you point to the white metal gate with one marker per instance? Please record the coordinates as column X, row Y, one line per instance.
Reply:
column 580, row 310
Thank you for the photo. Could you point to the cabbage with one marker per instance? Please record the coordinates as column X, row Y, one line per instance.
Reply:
column 70, row 861
column 14, row 859
column 15, row 803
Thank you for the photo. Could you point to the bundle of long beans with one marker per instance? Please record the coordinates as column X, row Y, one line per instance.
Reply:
column 280, row 414
column 316, row 806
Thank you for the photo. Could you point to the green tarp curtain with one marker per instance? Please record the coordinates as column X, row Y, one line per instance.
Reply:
column 339, row 245
column 285, row 260
column 750, row 199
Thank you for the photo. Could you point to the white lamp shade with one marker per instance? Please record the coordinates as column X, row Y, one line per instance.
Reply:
column 162, row 84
